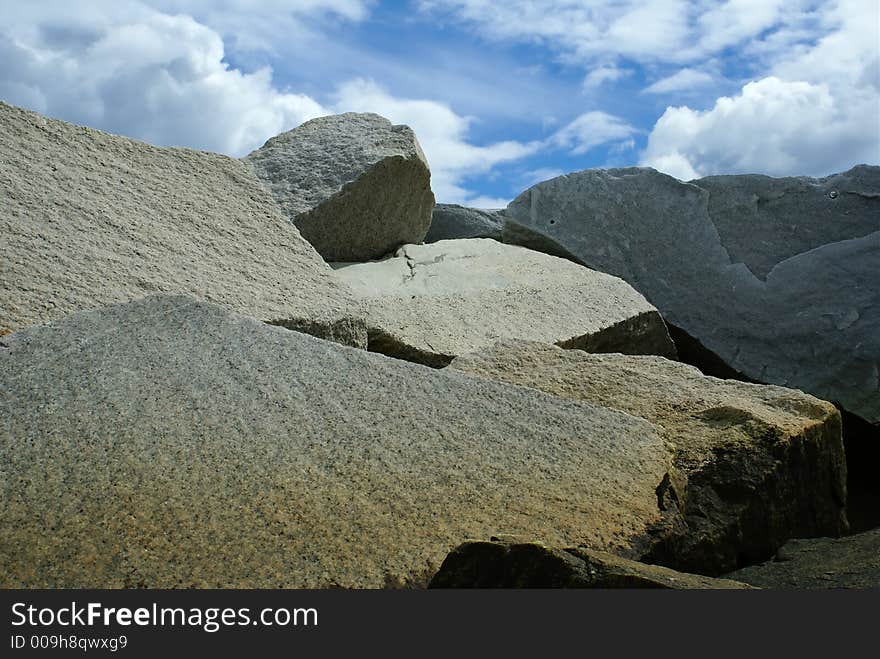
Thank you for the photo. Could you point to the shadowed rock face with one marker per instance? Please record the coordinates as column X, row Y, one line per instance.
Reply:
column 507, row 563
column 754, row 464
column 91, row 219
column 171, row 443
column 355, row 186
column 431, row 303
column 780, row 278
column 850, row 562
column 451, row 221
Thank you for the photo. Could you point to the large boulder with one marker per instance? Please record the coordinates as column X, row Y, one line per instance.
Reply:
column 510, row 563
column 777, row 278
column 451, row 221
column 430, row 303
column 355, row 186
column 754, row 464
column 168, row 442
column 90, row 219
column 819, row 563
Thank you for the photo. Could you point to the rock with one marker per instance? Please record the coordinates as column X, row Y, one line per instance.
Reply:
column 451, row 221
column 850, row 562
column 430, row 303
column 505, row 563
column 754, row 464
column 355, row 186
column 776, row 277
column 169, row 442
column 90, row 219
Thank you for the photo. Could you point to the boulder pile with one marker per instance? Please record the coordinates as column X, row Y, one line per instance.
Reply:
column 253, row 374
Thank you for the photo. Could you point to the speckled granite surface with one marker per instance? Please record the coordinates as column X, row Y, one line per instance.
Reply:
column 171, row 443
column 90, row 219
column 755, row 464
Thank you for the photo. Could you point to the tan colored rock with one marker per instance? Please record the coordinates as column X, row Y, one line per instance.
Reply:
column 90, row 219
column 508, row 563
column 168, row 442
column 755, row 464
column 431, row 303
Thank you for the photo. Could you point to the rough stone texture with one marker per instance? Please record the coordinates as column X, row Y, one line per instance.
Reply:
column 754, row 464
column 430, row 303
column 169, row 443
column 508, row 563
column 90, row 219
column 850, row 562
column 451, row 221
column 355, row 186
column 780, row 278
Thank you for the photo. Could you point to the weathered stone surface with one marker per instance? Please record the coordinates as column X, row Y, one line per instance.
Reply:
column 780, row 278
column 507, row 563
column 850, row 562
column 168, row 442
column 90, row 219
column 451, row 221
column 431, row 303
column 754, row 464
column 355, row 186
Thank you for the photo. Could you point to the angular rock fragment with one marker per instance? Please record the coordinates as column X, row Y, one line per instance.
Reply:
column 819, row 563
column 507, row 563
column 779, row 278
column 451, row 221
column 430, row 303
column 754, row 464
column 355, row 186
column 91, row 219
column 171, row 443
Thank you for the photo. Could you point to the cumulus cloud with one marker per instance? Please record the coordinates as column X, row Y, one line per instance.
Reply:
column 684, row 80
column 818, row 113
column 773, row 126
column 441, row 132
column 143, row 73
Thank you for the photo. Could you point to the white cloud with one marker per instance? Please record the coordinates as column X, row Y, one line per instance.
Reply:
column 442, row 134
column 604, row 74
column 773, row 127
column 139, row 72
column 732, row 22
column 684, row 80
column 590, row 130
column 675, row 31
column 819, row 113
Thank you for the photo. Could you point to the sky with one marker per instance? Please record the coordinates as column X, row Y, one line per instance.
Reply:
column 501, row 95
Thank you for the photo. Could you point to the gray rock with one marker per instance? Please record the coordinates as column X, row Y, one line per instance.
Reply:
column 355, row 186
column 754, row 464
column 818, row 563
column 451, row 221
column 430, row 303
column 90, row 219
column 508, row 563
column 779, row 278
column 172, row 443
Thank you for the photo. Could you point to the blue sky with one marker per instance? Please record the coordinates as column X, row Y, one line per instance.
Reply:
column 500, row 94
